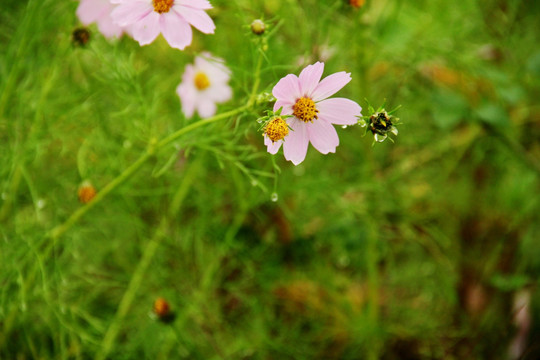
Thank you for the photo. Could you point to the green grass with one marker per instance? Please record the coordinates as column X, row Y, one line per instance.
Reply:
column 406, row 250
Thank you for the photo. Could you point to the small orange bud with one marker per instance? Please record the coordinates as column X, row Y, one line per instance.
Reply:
column 162, row 309
column 357, row 3
column 86, row 192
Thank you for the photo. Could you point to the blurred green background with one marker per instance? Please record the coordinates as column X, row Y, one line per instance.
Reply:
column 427, row 248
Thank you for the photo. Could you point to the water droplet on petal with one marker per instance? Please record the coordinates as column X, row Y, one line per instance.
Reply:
column 274, row 197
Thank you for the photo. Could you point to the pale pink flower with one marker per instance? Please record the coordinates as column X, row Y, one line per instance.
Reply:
column 99, row 11
column 172, row 18
column 306, row 98
column 204, row 84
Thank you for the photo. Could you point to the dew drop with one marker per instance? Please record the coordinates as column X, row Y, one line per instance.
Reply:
column 344, row 127
column 274, row 197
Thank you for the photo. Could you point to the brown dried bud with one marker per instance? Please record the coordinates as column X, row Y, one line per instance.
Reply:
column 80, row 36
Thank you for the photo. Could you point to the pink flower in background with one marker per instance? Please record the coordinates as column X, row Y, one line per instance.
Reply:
column 172, row 18
column 204, row 84
column 306, row 98
column 99, row 11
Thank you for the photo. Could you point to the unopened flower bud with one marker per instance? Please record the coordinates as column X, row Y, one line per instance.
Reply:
column 86, row 192
column 357, row 3
column 80, row 36
column 258, row 27
column 162, row 310
column 381, row 124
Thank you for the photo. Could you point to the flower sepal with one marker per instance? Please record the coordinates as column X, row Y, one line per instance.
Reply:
column 380, row 122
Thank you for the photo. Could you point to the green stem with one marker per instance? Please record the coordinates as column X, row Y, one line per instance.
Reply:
column 139, row 274
column 129, row 295
column 257, row 80
column 514, row 147
column 120, row 179
column 127, row 173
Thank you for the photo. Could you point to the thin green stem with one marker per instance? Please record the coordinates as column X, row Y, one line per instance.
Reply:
column 120, row 179
column 129, row 295
column 132, row 169
column 514, row 147
column 257, row 80
column 144, row 263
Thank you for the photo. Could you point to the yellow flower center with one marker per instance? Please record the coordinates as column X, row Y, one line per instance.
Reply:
column 276, row 129
column 162, row 6
column 201, row 81
column 305, row 109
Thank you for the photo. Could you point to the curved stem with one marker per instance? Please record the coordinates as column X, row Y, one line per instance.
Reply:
column 128, row 172
column 257, row 80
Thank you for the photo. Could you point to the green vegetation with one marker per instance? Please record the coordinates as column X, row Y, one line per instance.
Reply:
column 409, row 250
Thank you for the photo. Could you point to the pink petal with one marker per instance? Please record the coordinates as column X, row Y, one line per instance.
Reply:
column 288, row 88
column 175, row 30
column 310, row 77
column 287, row 107
column 147, row 29
column 89, row 11
column 108, row 28
column 213, row 66
column 330, row 85
column 323, row 136
column 131, row 12
column 272, row 147
column 219, row 93
column 198, row 18
column 196, row 4
column 339, row 111
column 187, row 96
column 296, row 144
column 206, row 108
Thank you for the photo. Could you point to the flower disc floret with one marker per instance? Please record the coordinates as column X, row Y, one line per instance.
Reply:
column 201, row 81
column 276, row 129
column 162, row 6
column 305, row 109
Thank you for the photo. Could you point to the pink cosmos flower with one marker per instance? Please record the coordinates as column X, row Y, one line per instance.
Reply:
column 99, row 11
column 172, row 18
column 204, row 84
column 306, row 98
